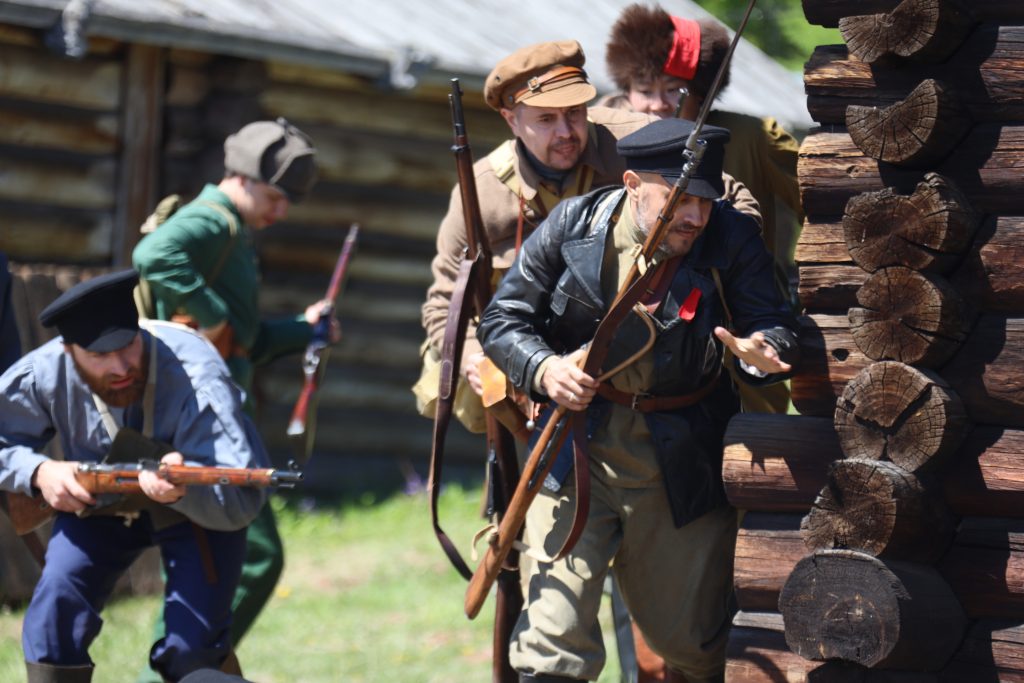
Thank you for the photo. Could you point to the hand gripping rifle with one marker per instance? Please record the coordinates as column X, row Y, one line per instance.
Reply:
column 302, row 425
column 472, row 293
column 28, row 512
column 642, row 272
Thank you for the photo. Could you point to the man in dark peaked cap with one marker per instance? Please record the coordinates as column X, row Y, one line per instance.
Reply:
column 105, row 377
column 658, row 515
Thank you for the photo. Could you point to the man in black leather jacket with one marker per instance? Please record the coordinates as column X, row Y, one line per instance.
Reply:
column 658, row 512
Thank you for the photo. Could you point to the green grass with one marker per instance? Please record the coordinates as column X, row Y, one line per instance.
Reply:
column 367, row 595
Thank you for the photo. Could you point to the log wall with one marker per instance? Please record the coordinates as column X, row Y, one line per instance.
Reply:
column 904, row 462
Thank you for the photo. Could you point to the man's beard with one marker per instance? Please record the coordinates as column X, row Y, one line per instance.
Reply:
column 118, row 398
column 664, row 250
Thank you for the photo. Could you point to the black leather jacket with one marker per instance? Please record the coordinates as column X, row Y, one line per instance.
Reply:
column 551, row 302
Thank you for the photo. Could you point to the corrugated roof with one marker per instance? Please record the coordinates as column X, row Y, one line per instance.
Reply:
column 402, row 40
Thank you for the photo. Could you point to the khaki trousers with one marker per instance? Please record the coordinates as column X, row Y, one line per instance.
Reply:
column 675, row 582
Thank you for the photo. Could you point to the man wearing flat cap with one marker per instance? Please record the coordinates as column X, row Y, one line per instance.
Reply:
column 201, row 268
column 560, row 149
column 658, row 516
column 101, row 381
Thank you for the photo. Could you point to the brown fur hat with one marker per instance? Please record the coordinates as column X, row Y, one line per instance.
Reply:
column 640, row 42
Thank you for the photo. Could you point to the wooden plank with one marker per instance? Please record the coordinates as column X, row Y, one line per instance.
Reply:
column 385, row 113
column 361, row 158
column 88, row 187
column 56, row 237
column 90, row 133
column 386, row 269
column 142, row 133
column 40, row 76
column 398, row 219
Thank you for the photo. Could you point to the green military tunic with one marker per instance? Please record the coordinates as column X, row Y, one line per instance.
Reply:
column 201, row 263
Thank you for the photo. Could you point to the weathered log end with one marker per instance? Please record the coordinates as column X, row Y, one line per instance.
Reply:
column 918, row 131
column 923, row 30
column 880, row 509
column 903, row 414
column 842, row 604
column 916, row 318
column 927, row 231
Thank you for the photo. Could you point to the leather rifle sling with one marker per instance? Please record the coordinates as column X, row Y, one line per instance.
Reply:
column 451, row 356
column 578, row 423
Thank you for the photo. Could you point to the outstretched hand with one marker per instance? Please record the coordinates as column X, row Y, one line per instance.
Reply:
column 754, row 350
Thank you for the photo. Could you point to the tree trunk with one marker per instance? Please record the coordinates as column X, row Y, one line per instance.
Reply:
column 782, row 473
column 841, row 604
column 829, row 12
column 985, row 567
column 903, row 414
column 880, row 509
column 832, row 169
column 768, row 546
column 928, row 231
column 923, row 30
column 912, row 317
column 918, row 131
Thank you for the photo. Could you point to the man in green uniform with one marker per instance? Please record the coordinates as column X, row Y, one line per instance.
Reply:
column 200, row 267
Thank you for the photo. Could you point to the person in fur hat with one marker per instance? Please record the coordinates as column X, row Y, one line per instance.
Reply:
column 651, row 55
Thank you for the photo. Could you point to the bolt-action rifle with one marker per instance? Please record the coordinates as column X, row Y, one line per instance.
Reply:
column 472, row 293
column 542, row 456
column 27, row 513
column 302, row 425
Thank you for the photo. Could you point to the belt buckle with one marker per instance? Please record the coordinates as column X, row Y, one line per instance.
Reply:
column 637, row 397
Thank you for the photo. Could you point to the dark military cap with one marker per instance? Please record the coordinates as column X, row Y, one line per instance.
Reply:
column 274, row 152
column 99, row 314
column 658, row 148
column 542, row 75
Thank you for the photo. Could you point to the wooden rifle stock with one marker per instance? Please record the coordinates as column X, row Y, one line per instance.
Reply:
column 29, row 512
column 317, row 349
column 541, row 457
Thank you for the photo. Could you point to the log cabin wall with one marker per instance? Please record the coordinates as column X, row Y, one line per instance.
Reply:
column 884, row 524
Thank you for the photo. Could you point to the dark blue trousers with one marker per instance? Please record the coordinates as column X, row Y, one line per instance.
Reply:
column 85, row 557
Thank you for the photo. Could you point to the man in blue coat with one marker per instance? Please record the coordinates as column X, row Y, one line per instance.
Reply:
column 658, row 516
column 101, row 376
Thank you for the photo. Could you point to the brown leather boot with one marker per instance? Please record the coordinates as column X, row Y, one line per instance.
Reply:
column 51, row 673
column 547, row 678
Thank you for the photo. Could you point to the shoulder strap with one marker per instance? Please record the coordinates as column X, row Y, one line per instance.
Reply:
column 233, row 231
column 721, row 295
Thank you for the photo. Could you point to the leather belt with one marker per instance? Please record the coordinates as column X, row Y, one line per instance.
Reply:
column 646, row 403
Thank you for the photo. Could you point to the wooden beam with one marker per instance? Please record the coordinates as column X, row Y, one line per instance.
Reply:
column 142, row 126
